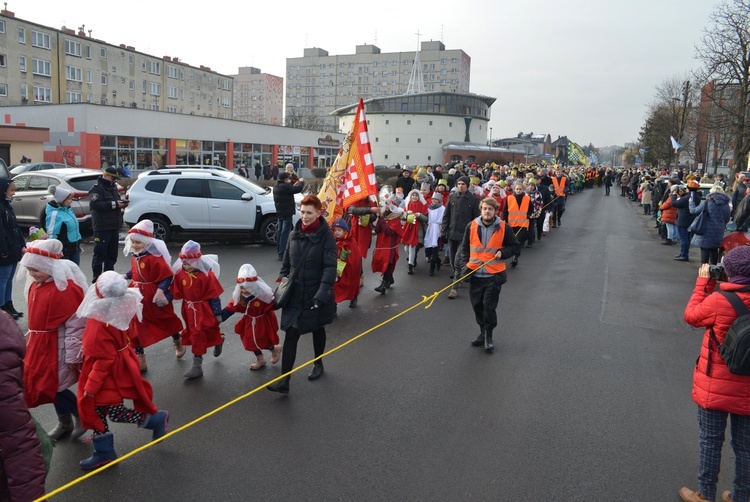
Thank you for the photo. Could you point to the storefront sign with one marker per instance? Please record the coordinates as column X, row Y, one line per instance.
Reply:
column 329, row 141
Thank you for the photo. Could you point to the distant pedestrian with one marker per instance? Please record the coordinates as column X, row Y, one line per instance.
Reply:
column 283, row 198
column 106, row 216
column 258, row 170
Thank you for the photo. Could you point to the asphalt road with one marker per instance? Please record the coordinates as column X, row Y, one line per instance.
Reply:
column 587, row 396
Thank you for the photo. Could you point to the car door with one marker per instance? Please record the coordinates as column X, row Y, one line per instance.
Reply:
column 29, row 202
column 226, row 207
column 187, row 205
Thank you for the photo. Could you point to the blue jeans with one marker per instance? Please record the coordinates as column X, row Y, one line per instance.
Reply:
column 284, row 226
column 684, row 235
column 711, row 426
column 6, row 282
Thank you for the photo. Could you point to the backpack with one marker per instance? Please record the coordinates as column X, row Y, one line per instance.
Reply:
column 736, row 347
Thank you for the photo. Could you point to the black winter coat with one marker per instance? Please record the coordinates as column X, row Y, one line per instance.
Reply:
column 11, row 238
column 460, row 210
column 21, row 465
column 105, row 213
column 684, row 218
column 283, row 198
column 314, row 280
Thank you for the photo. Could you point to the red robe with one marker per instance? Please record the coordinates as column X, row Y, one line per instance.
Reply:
column 386, row 244
column 346, row 286
column 361, row 234
column 411, row 230
column 48, row 309
column 258, row 328
column 111, row 373
column 201, row 327
column 158, row 323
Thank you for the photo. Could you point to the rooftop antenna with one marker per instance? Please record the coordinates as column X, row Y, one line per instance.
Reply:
column 416, row 81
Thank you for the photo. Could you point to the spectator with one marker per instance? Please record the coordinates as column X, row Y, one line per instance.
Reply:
column 11, row 244
column 717, row 205
column 106, row 216
column 283, row 198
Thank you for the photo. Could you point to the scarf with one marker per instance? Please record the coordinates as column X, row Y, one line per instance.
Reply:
column 311, row 228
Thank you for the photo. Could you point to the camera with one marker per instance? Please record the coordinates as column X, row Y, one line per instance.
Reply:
column 717, row 272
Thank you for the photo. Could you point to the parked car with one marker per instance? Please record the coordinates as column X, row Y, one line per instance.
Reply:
column 202, row 200
column 36, row 166
column 32, row 196
column 4, row 171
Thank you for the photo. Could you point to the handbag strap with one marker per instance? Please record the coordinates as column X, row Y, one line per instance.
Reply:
column 740, row 309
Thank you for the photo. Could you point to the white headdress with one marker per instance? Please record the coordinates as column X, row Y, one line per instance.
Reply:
column 248, row 279
column 46, row 255
column 191, row 254
column 143, row 231
column 111, row 301
column 421, row 197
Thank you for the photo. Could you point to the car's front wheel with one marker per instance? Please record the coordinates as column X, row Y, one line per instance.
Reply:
column 268, row 230
column 162, row 228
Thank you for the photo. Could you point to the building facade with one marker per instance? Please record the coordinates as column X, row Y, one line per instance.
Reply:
column 42, row 65
column 414, row 128
column 319, row 83
column 258, row 97
column 533, row 145
column 91, row 136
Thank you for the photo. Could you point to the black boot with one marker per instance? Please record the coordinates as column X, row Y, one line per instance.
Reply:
column 432, row 268
column 5, row 308
column 411, row 269
column 282, row 386
column 353, row 303
column 488, row 345
column 479, row 341
column 12, row 310
column 316, row 371
column 381, row 289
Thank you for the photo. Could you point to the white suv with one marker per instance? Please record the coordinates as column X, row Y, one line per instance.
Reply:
column 205, row 200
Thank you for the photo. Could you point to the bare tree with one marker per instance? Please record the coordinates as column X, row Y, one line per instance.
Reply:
column 726, row 64
column 296, row 117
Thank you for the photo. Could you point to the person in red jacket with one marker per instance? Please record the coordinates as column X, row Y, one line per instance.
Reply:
column 349, row 264
column 718, row 393
column 110, row 371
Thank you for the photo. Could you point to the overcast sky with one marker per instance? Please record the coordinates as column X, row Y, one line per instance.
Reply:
column 577, row 68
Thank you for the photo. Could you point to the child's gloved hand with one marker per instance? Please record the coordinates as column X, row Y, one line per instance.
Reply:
column 159, row 298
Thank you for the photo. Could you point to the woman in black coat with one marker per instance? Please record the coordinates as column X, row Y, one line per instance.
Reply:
column 311, row 303
column 11, row 244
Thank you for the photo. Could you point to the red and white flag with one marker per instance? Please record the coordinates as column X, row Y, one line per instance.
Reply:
column 351, row 178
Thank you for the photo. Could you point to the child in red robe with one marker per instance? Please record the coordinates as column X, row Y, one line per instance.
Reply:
column 196, row 283
column 389, row 231
column 258, row 328
column 54, row 290
column 416, row 215
column 151, row 272
column 349, row 264
column 110, row 371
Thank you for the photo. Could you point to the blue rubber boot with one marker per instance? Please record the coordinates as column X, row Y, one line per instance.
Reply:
column 104, row 452
column 158, row 423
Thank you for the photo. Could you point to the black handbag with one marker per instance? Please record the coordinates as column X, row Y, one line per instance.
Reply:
column 284, row 289
column 700, row 223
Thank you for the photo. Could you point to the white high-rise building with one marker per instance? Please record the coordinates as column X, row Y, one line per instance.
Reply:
column 318, row 83
column 258, row 97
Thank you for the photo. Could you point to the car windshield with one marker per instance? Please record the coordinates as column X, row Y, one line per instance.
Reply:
column 249, row 185
column 18, row 169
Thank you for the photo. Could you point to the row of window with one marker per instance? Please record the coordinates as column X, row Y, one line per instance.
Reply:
column 366, row 69
column 419, row 140
column 313, row 80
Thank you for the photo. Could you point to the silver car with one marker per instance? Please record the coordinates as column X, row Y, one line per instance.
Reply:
column 35, row 166
column 31, row 196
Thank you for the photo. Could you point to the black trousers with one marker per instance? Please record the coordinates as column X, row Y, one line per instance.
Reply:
column 484, row 293
column 289, row 355
column 105, row 251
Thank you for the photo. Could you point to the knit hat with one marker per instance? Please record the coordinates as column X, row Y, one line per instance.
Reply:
column 283, row 176
column 111, row 301
column 737, row 262
column 451, row 171
column 464, row 180
column 59, row 193
column 289, row 165
column 247, row 278
column 340, row 223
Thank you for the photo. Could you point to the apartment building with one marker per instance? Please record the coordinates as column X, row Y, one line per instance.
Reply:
column 258, row 97
column 43, row 65
column 319, row 83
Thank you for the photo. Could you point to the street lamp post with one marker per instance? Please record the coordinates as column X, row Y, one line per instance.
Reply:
column 490, row 145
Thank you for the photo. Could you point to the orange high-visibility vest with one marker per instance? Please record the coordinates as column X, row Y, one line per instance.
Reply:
column 559, row 185
column 478, row 254
column 518, row 216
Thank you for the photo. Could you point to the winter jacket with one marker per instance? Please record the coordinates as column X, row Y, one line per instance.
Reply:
column 11, row 237
column 462, row 208
column 105, row 213
column 314, row 280
column 684, row 218
column 737, row 196
column 283, row 198
column 21, row 465
column 61, row 224
column 718, row 217
column 646, row 192
column 668, row 212
column 720, row 390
